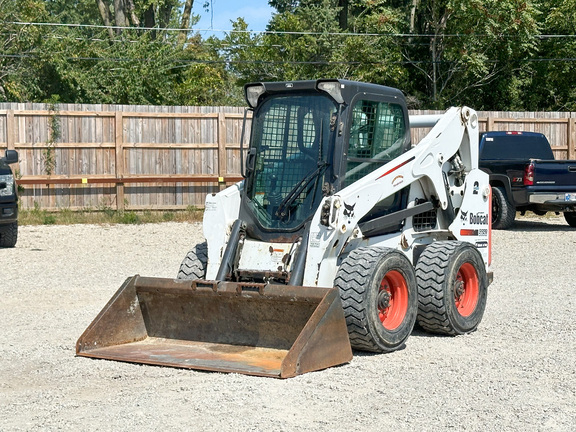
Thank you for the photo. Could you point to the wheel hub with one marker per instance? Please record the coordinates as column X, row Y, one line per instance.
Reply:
column 384, row 299
column 459, row 289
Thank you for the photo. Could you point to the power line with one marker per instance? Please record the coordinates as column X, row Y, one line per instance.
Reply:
column 275, row 32
column 185, row 62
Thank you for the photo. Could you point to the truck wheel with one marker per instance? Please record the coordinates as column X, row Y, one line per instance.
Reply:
column 503, row 211
column 452, row 288
column 570, row 218
column 379, row 296
column 194, row 264
column 9, row 235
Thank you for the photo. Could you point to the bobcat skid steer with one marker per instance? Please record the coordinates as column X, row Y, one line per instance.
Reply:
column 342, row 235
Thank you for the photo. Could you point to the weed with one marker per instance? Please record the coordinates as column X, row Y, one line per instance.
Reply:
column 49, row 219
column 54, row 134
column 168, row 216
column 128, row 217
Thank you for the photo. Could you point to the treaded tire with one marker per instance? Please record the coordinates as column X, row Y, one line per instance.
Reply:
column 452, row 288
column 195, row 262
column 570, row 218
column 503, row 211
column 379, row 296
column 9, row 235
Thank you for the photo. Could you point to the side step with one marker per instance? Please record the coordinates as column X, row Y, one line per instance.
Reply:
column 255, row 329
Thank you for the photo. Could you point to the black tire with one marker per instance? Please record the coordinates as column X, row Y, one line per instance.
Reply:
column 570, row 218
column 9, row 235
column 503, row 211
column 195, row 262
column 452, row 288
column 379, row 296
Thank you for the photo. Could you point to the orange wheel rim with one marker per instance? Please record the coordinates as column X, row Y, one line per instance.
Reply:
column 392, row 300
column 466, row 290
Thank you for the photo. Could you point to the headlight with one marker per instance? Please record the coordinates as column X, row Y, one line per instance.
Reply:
column 253, row 93
column 333, row 88
column 6, row 184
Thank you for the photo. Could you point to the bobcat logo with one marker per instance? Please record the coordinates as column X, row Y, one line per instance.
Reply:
column 463, row 215
column 349, row 210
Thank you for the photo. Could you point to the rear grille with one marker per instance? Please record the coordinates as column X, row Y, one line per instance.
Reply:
column 424, row 221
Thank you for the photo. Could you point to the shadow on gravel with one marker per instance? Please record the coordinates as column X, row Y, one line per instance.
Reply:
column 420, row 332
column 417, row 332
column 358, row 353
column 532, row 225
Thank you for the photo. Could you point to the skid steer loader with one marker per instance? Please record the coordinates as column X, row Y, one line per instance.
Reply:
column 342, row 235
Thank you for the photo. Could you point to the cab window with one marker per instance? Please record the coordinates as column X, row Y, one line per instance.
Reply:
column 377, row 135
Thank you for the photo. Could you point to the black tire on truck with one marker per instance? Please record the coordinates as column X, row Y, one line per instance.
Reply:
column 503, row 211
column 9, row 235
column 452, row 288
column 195, row 262
column 379, row 296
column 570, row 218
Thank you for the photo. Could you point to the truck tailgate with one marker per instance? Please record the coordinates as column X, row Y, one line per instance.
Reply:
column 555, row 173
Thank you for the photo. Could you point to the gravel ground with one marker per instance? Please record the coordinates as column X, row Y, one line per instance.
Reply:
column 515, row 373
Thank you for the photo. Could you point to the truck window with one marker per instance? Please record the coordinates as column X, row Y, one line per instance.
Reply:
column 511, row 147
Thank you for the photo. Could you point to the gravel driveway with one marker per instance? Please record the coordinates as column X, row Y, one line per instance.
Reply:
column 515, row 373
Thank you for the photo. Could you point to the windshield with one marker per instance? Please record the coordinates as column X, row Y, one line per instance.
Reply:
column 291, row 136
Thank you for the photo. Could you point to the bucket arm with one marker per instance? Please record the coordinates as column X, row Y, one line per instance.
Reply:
column 336, row 222
column 457, row 131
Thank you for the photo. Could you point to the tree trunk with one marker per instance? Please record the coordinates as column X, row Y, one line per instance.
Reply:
column 150, row 20
column 164, row 14
column 415, row 4
column 186, row 12
column 120, row 14
column 343, row 18
column 438, row 24
column 106, row 16
column 131, row 8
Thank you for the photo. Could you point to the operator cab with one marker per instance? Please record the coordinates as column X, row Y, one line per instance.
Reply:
column 311, row 139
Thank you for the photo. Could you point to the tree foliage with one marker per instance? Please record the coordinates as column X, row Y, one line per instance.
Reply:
column 18, row 43
column 488, row 54
column 472, row 46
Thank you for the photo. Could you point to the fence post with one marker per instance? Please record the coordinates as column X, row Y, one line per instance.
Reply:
column 222, row 168
column 489, row 123
column 11, row 135
column 10, row 129
column 572, row 138
column 119, row 146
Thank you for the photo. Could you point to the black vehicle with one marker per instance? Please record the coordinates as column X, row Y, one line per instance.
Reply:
column 525, row 177
column 8, row 201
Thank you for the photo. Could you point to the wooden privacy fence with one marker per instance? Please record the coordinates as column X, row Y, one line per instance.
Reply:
column 161, row 158
column 559, row 127
column 122, row 159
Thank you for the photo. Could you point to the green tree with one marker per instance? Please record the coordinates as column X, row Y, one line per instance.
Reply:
column 306, row 41
column 488, row 54
column 87, row 64
column 377, row 56
column 474, row 51
column 206, row 80
column 554, row 81
column 19, row 44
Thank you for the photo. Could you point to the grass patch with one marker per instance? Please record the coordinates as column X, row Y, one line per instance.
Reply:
column 38, row 216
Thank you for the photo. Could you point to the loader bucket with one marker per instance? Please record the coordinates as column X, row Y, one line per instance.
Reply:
column 255, row 329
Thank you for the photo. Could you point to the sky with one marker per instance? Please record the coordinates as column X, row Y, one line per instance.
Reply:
column 256, row 13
